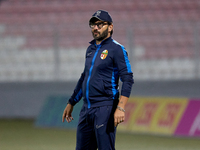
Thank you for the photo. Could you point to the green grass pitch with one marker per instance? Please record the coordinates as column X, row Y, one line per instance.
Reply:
column 22, row 135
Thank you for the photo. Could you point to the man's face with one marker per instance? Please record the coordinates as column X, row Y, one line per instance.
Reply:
column 99, row 30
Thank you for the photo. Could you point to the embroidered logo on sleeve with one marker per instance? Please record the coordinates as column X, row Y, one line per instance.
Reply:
column 104, row 54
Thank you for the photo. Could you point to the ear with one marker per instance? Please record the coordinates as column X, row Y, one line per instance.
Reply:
column 110, row 28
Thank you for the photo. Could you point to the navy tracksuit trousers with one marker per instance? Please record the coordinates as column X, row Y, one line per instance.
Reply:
column 96, row 129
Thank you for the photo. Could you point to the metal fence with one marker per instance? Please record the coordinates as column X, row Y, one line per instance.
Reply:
column 157, row 51
column 165, row 50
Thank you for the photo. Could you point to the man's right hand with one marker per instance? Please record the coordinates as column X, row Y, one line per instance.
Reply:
column 67, row 114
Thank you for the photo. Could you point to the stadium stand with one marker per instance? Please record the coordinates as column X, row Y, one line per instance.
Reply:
column 164, row 29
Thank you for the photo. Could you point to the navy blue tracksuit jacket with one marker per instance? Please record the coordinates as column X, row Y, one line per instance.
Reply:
column 104, row 65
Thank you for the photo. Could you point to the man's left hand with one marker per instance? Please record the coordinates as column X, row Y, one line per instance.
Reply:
column 119, row 117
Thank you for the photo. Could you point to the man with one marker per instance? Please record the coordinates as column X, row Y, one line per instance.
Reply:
column 106, row 62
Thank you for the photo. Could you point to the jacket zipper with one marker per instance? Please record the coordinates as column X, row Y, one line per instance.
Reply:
column 90, row 72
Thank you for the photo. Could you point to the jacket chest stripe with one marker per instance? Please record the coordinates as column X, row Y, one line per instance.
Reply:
column 90, row 72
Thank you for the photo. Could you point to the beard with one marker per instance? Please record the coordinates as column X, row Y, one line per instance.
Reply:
column 100, row 36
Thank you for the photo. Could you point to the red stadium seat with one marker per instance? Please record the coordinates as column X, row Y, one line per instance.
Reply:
column 154, row 23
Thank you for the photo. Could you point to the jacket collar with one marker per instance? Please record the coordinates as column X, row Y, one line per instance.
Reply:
column 93, row 42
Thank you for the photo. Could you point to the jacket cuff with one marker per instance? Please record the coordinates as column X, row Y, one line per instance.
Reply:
column 127, row 94
column 71, row 101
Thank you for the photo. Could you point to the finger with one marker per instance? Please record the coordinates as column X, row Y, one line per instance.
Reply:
column 115, row 122
column 67, row 119
column 120, row 120
column 63, row 117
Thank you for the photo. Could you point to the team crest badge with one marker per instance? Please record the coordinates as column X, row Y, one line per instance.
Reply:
column 104, row 54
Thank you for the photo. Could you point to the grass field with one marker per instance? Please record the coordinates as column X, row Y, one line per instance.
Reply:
column 22, row 135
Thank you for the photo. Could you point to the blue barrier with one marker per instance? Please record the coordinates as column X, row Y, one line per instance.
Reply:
column 52, row 110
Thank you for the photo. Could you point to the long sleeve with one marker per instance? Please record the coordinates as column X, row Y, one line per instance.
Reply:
column 124, row 68
column 77, row 94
